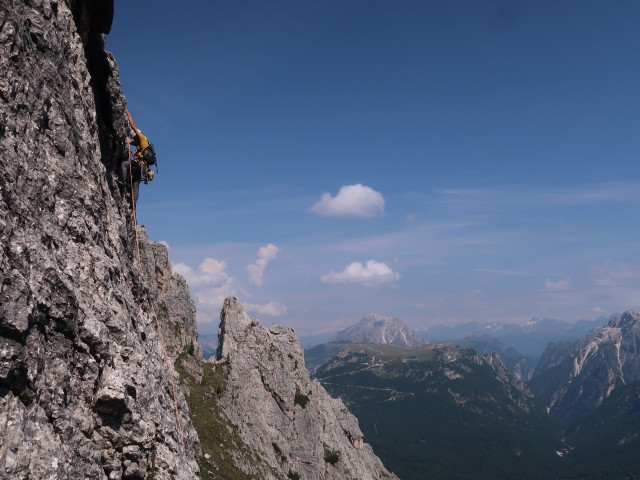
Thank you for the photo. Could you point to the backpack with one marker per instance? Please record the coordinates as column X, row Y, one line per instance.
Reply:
column 149, row 154
column 147, row 158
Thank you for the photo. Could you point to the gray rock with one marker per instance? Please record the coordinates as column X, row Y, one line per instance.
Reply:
column 85, row 386
column 170, row 296
column 576, row 378
column 285, row 416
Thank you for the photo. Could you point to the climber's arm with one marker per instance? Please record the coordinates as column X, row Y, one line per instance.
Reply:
column 131, row 122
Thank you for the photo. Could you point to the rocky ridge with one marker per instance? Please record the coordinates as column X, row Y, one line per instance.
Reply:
column 423, row 364
column 578, row 379
column 515, row 362
column 288, row 418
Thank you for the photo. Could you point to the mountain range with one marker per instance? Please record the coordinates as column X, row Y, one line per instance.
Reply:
column 443, row 411
column 578, row 415
column 530, row 338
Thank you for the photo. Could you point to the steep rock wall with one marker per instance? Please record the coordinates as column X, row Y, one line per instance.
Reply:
column 85, row 387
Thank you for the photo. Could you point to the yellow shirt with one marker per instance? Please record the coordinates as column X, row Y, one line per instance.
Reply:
column 142, row 143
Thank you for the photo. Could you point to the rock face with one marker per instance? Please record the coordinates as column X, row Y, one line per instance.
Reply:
column 555, row 353
column 85, row 386
column 579, row 380
column 378, row 330
column 170, row 296
column 289, row 419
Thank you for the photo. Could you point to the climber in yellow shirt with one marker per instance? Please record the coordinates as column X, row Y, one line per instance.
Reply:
column 131, row 173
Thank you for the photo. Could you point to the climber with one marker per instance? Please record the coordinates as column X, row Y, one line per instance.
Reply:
column 132, row 168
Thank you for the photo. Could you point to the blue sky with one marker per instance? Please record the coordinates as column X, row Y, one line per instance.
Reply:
column 436, row 161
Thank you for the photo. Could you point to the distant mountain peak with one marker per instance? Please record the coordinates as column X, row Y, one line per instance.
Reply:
column 625, row 321
column 380, row 330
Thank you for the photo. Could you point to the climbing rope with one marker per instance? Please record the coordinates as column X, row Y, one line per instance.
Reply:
column 173, row 383
column 155, row 313
column 133, row 204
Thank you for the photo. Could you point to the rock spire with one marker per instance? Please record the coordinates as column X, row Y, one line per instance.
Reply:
column 287, row 417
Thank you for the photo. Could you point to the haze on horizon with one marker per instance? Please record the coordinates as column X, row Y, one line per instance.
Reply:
column 434, row 161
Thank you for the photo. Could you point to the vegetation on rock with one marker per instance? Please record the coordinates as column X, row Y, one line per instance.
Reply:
column 218, row 439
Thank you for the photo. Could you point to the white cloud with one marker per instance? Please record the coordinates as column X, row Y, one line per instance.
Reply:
column 272, row 309
column 372, row 274
column 210, row 272
column 212, row 266
column 211, row 282
column 351, row 201
column 557, row 285
column 256, row 269
column 214, row 296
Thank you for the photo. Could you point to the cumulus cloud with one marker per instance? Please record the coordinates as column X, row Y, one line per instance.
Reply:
column 272, row 309
column 211, row 266
column 256, row 269
column 210, row 272
column 557, row 285
column 369, row 275
column 351, row 201
column 214, row 296
column 211, row 282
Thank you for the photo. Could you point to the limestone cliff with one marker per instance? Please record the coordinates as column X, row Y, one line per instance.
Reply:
column 85, row 386
column 289, row 420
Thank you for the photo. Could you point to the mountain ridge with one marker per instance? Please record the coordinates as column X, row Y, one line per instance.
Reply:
column 583, row 374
